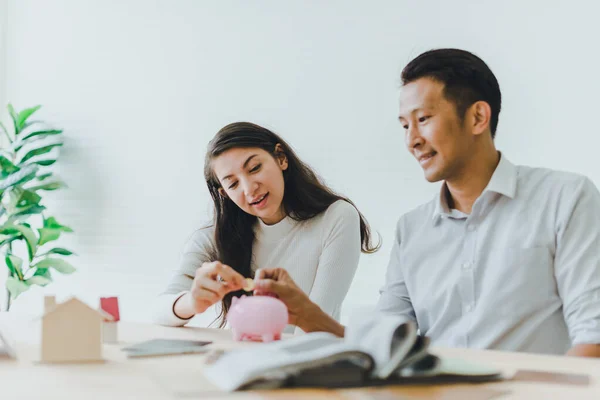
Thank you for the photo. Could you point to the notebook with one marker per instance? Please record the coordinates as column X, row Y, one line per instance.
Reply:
column 163, row 347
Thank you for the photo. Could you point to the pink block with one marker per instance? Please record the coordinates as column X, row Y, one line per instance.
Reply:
column 111, row 306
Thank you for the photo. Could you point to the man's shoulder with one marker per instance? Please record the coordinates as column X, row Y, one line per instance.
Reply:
column 418, row 215
column 548, row 179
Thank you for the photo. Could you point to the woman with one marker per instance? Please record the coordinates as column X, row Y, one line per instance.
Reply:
column 271, row 210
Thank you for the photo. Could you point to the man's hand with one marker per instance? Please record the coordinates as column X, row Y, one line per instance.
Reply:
column 585, row 350
column 277, row 282
column 303, row 313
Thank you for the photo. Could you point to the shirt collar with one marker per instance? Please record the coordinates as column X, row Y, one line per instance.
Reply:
column 503, row 181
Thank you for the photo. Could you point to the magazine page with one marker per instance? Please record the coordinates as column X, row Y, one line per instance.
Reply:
column 451, row 367
column 388, row 339
column 273, row 362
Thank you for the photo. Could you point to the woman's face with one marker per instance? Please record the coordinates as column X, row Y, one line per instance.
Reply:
column 253, row 179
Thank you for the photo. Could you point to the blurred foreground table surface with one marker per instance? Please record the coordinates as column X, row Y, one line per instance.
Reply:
column 180, row 377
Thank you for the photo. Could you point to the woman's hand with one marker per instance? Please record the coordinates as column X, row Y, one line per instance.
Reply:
column 212, row 282
column 277, row 282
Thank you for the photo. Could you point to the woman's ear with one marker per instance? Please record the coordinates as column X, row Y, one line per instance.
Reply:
column 222, row 193
column 281, row 157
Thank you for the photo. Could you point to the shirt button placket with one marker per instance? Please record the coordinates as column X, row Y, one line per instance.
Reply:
column 468, row 280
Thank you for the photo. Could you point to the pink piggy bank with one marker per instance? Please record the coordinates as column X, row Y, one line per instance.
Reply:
column 257, row 318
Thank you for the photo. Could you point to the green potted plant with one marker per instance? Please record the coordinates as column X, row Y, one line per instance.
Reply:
column 26, row 230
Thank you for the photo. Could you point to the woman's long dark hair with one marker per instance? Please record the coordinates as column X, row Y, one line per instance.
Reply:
column 305, row 197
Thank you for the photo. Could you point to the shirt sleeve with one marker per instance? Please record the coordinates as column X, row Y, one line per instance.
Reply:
column 577, row 261
column 197, row 250
column 394, row 298
column 339, row 258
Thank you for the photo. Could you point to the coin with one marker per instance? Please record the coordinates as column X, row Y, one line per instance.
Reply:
column 248, row 285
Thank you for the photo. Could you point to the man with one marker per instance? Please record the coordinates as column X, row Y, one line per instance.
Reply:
column 506, row 257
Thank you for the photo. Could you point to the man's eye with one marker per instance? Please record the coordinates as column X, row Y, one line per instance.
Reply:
column 423, row 119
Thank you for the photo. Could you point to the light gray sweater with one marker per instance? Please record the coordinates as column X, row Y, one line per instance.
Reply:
column 320, row 254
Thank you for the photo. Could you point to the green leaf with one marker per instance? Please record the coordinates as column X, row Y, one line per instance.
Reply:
column 15, row 265
column 25, row 212
column 47, row 132
column 14, row 116
column 38, row 280
column 3, row 128
column 16, row 287
column 3, row 237
column 48, row 235
column 44, row 176
column 44, row 163
column 8, row 229
column 30, row 238
column 11, row 197
column 6, row 167
column 51, row 230
column 19, row 177
column 59, row 250
column 57, row 263
column 45, row 272
column 30, row 210
column 33, row 137
column 49, row 186
column 51, row 222
column 21, row 203
column 5, row 131
column 9, row 239
column 24, row 115
column 27, row 198
column 40, row 151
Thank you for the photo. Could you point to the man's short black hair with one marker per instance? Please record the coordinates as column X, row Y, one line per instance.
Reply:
column 466, row 78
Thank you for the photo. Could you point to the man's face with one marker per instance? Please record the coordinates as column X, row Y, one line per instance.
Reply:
column 434, row 133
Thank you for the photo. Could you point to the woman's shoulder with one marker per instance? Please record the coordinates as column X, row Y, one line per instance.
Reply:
column 341, row 209
column 201, row 238
column 338, row 212
column 340, row 218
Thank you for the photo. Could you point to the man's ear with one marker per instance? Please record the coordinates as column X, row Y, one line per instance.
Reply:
column 281, row 157
column 481, row 115
column 222, row 193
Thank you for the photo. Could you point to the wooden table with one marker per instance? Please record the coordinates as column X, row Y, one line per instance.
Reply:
column 177, row 377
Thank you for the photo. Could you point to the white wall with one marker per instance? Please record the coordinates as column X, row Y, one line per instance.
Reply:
column 141, row 86
column 3, row 30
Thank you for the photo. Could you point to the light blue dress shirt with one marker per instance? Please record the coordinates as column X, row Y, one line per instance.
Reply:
column 520, row 273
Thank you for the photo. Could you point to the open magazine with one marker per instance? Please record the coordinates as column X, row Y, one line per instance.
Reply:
column 375, row 351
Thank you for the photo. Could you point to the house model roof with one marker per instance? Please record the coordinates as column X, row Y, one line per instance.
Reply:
column 101, row 314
